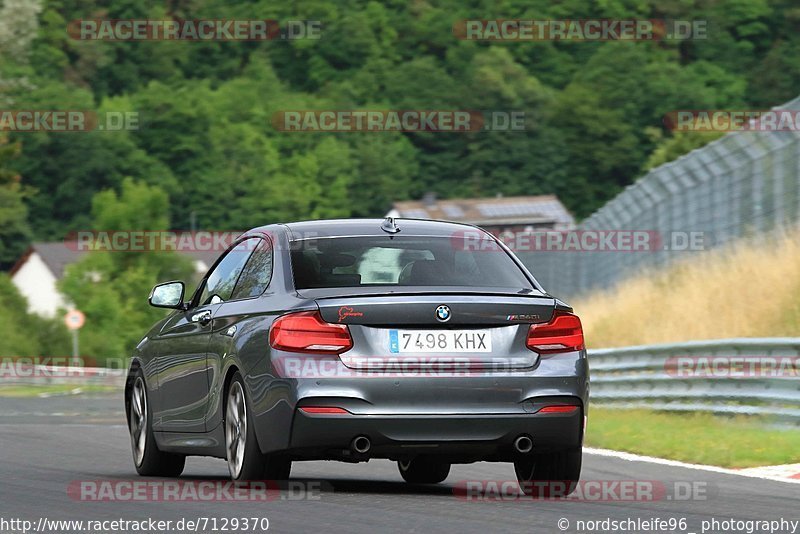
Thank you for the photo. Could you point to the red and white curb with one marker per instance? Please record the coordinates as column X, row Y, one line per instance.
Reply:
column 790, row 471
column 778, row 473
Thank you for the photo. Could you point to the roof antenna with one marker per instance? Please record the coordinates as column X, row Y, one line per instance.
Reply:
column 388, row 225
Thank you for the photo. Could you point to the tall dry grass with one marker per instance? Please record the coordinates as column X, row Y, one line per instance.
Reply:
column 750, row 289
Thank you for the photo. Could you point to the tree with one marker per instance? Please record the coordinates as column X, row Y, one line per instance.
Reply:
column 14, row 230
column 206, row 139
column 677, row 145
column 24, row 334
column 111, row 287
column 18, row 27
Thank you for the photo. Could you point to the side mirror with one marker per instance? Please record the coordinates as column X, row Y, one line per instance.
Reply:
column 167, row 295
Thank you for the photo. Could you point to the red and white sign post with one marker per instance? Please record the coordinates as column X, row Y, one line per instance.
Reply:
column 74, row 320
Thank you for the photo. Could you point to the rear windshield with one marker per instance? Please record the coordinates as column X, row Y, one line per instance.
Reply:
column 404, row 261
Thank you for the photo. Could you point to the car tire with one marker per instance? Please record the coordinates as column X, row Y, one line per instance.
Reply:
column 245, row 459
column 147, row 458
column 423, row 470
column 277, row 467
column 562, row 469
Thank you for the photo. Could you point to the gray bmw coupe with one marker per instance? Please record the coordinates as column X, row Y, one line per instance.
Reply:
column 424, row 342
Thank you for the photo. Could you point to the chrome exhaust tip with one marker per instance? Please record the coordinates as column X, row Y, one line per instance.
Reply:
column 361, row 444
column 523, row 444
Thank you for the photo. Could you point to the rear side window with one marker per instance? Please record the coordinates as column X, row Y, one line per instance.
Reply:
column 404, row 261
column 256, row 276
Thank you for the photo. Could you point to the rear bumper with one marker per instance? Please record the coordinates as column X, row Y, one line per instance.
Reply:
column 461, row 437
column 477, row 415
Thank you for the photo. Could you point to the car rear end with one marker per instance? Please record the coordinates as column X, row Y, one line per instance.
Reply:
column 433, row 341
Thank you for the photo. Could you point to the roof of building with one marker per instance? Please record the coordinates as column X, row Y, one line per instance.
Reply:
column 541, row 209
column 55, row 255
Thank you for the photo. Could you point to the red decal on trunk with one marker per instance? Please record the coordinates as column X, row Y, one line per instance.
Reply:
column 347, row 311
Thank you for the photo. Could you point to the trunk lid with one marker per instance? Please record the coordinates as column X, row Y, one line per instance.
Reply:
column 404, row 331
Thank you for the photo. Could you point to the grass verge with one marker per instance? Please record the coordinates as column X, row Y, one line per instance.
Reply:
column 748, row 289
column 696, row 438
column 28, row 391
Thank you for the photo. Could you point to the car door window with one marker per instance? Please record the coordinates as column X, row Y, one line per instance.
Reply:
column 257, row 273
column 221, row 281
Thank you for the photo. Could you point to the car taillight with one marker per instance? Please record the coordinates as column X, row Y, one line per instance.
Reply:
column 558, row 408
column 562, row 334
column 308, row 332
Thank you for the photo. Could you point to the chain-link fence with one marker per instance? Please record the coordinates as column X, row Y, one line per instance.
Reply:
column 742, row 184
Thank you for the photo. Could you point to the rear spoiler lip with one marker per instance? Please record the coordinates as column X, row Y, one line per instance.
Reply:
column 311, row 293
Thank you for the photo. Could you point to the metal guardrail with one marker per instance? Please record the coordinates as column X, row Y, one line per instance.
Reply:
column 748, row 376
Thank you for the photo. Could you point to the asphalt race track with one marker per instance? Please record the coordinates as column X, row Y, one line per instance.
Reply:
column 48, row 445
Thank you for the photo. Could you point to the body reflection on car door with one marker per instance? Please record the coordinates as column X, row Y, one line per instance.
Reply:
column 182, row 365
column 236, row 328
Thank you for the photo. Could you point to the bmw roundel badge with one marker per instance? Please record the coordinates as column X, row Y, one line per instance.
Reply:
column 443, row 313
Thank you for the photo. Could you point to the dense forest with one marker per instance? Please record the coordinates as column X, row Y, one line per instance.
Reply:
column 206, row 146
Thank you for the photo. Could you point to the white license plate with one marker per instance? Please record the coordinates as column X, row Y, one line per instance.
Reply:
column 439, row 341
